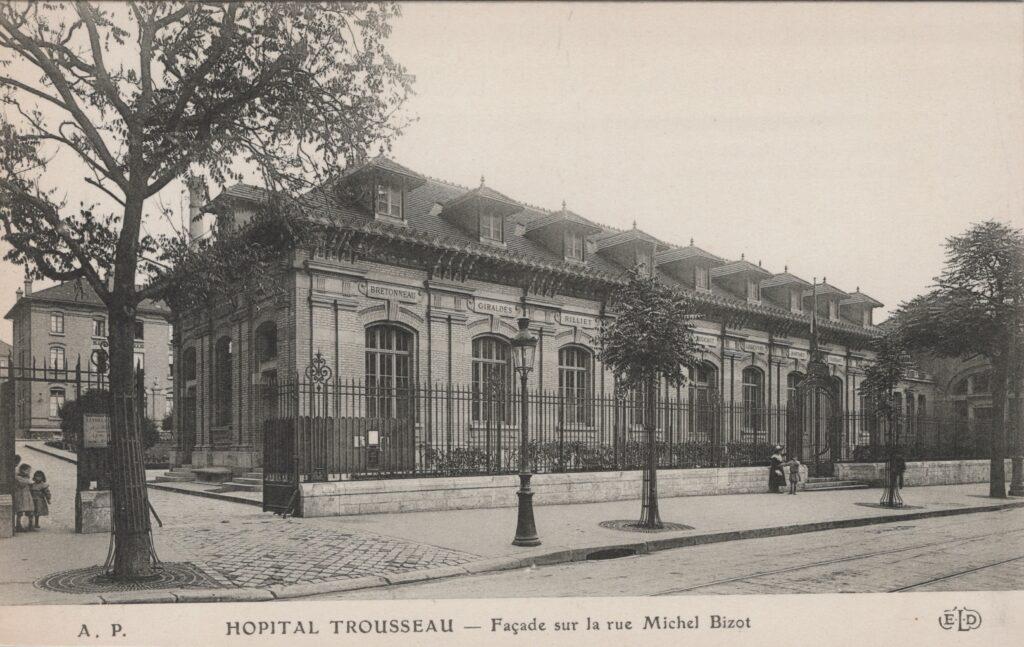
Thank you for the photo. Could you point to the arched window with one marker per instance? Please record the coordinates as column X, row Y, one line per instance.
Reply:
column 58, row 360
column 575, row 385
column 922, row 405
column 753, row 400
column 703, row 399
column 793, row 380
column 56, row 402
column 960, row 388
column 388, row 371
column 188, row 364
column 492, row 379
column 222, row 385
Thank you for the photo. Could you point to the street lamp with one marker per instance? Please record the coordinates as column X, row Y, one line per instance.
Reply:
column 524, row 348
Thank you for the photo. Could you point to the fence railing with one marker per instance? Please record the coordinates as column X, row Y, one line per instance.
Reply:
column 360, row 430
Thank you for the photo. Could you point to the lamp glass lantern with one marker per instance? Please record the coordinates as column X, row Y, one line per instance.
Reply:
column 524, row 348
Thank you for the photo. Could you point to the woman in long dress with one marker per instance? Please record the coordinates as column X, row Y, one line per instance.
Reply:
column 776, row 476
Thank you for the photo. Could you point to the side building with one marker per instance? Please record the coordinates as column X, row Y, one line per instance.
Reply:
column 56, row 328
column 409, row 303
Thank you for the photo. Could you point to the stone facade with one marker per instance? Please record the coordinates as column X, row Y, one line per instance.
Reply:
column 433, row 275
column 57, row 327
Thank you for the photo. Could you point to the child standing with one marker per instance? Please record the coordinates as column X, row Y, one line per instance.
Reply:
column 40, row 496
column 794, row 474
column 23, row 505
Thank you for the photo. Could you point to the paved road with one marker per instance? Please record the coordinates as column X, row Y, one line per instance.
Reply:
column 982, row 551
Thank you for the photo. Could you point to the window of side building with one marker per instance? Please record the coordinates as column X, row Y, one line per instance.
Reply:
column 139, row 329
column 56, row 401
column 58, row 358
column 99, row 327
column 57, row 323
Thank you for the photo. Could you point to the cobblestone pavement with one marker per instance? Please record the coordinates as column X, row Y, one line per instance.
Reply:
column 984, row 551
column 237, row 545
column 263, row 552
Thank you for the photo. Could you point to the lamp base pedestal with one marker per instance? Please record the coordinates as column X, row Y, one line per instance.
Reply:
column 526, row 528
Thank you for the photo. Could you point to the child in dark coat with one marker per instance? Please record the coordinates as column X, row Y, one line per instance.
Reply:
column 40, row 496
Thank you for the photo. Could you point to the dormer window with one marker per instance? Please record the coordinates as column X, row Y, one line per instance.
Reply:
column 866, row 317
column 833, row 309
column 389, row 201
column 574, row 246
column 700, row 278
column 643, row 259
column 753, row 290
column 490, row 227
column 795, row 301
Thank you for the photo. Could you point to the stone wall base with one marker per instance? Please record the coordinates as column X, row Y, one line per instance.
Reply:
column 6, row 516
column 92, row 511
column 237, row 460
column 338, row 498
column 922, row 472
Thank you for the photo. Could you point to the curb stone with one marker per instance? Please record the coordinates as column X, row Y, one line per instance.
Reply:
column 222, row 595
column 287, row 591
column 425, row 574
column 493, row 565
column 138, row 597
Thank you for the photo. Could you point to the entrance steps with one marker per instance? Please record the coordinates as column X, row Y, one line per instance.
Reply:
column 250, row 482
column 823, row 483
column 180, row 474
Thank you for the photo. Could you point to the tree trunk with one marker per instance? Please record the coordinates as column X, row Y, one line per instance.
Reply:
column 649, row 515
column 132, row 541
column 997, row 479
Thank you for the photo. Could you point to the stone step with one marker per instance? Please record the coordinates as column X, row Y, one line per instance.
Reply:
column 254, row 475
column 822, row 479
column 175, row 478
column 234, row 486
column 838, row 485
column 246, row 480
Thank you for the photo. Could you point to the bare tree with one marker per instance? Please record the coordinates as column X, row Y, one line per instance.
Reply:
column 140, row 94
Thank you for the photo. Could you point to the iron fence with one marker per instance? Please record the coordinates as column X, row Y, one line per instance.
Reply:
column 365, row 430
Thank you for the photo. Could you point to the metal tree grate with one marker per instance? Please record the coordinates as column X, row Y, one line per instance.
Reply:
column 94, row 579
column 632, row 525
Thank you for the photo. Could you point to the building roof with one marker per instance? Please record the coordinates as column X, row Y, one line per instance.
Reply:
column 858, row 297
column 825, row 289
column 783, row 279
column 425, row 204
column 80, row 293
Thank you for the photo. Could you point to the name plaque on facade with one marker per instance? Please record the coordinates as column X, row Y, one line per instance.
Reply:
column 581, row 321
column 498, row 308
column 95, row 431
column 756, row 347
column 835, row 359
column 796, row 353
column 708, row 341
column 380, row 291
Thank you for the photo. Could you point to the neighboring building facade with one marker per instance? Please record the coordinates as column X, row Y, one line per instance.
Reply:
column 420, row 282
column 54, row 329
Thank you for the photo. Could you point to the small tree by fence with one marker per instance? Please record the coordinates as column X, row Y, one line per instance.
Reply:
column 649, row 341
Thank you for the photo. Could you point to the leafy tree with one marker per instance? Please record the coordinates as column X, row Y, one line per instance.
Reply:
column 976, row 309
column 882, row 376
column 649, row 340
column 140, row 94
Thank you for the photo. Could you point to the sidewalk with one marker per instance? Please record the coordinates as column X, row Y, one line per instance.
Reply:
column 255, row 555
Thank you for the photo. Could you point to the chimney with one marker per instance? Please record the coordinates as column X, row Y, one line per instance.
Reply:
column 28, row 284
column 197, row 197
column 18, row 294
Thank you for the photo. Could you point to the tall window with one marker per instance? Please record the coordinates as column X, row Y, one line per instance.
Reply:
column 58, row 360
column 139, row 329
column 56, row 402
column 921, row 405
column 140, row 360
column 389, row 200
column 700, row 278
column 793, row 381
column 388, row 372
column 575, row 384
column 703, row 398
column 490, row 227
column 222, row 362
column 266, row 342
column 57, row 323
column 99, row 327
column 492, row 380
column 753, row 400
column 188, row 364
column 574, row 245
column 753, row 290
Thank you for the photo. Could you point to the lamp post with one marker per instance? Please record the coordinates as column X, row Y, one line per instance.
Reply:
column 524, row 347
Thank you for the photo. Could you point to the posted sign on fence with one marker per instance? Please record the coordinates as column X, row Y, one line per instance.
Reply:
column 95, row 431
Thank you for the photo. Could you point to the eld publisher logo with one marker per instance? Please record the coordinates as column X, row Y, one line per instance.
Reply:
column 960, row 619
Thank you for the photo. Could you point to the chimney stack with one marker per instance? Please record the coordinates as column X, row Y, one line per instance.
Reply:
column 197, row 198
column 28, row 284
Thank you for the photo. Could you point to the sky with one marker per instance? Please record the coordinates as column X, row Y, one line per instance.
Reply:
column 839, row 140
